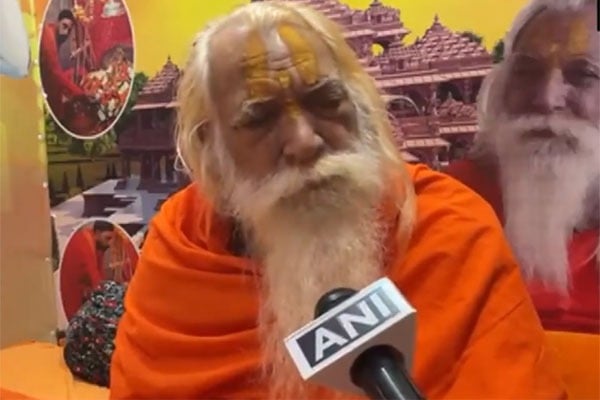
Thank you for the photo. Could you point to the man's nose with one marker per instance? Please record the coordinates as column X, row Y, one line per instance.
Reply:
column 302, row 144
column 551, row 94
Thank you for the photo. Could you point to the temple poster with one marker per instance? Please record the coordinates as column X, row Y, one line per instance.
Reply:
column 109, row 70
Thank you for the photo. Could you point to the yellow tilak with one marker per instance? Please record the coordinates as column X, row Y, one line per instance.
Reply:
column 260, row 79
column 574, row 41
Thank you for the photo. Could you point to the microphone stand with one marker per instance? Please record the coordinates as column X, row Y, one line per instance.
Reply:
column 379, row 371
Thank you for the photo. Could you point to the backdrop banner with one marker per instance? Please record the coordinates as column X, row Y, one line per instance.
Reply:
column 109, row 71
column 26, row 286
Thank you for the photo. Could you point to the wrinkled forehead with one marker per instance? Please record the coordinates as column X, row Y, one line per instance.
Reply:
column 560, row 33
column 247, row 62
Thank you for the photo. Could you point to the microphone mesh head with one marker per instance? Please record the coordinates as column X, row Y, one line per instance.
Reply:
column 332, row 299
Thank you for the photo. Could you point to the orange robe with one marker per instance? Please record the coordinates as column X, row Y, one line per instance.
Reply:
column 580, row 312
column 80, row 270
column 190, row 327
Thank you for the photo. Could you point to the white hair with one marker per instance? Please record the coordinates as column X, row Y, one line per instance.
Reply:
column 491, row 88
column 533, row 8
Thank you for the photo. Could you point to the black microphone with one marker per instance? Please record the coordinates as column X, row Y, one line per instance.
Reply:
column 379, row 370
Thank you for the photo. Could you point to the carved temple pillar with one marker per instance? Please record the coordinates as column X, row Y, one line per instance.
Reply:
column 146, row 169
column 124, row 171
column 431, row 91
column 169, row 168
column 156, row 170
column 467, row 90
column 125, row 166
column 433, row 100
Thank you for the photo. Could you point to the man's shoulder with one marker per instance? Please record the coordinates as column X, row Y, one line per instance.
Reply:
column 454, row 221
column 457, row 257
column 48, row 31
column 441, row 194
column 80, row 240
column 181, row 215
column 184, row 203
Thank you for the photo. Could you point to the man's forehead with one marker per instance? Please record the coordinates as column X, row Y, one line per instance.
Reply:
column 559, row 32
column 235, row 47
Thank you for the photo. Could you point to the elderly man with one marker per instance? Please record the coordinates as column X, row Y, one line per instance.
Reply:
column 537, row 157
column 298, row 189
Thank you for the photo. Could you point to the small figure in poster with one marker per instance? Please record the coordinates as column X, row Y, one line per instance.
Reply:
column 86, row 63
column 98, row 251
column 57, row 80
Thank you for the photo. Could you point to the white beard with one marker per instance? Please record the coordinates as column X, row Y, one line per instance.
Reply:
column 549, row 188
column 306, row 256
column 309, row 241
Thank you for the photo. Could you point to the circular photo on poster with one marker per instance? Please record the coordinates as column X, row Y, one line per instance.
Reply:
column 86, row 64
column 97, row 251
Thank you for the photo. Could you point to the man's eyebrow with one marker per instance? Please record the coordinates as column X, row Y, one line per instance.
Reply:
column 581, row 58
column 248, row 106
column 585, row 58
column 519, row 56
column 249, row 103
column 326, row 83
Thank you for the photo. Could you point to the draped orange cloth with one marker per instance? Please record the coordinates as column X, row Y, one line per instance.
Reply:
column 190, row 328
column 6, row 394
column 579, row 358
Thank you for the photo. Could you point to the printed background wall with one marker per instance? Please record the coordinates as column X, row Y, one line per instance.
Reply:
column 113, row 160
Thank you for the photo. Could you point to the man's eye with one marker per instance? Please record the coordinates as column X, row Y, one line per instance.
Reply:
column 330, row 103
column 587, row 73
column 525, row 70
column 581, row 76
column 257, row 118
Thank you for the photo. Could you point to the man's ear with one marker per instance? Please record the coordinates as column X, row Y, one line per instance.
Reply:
column 203, row 131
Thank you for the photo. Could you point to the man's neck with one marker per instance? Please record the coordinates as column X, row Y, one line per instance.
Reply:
column 238, row 241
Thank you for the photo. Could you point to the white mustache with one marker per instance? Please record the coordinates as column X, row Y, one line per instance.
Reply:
column 559, row 125
column 354, row 170
column 292, row 180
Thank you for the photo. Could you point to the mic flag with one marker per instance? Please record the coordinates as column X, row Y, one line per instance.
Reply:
column 325, row 349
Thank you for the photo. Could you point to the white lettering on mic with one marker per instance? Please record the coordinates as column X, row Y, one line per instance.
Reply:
column 381, row 306
column 324, row 338
column 361, row 315
column 368, row 317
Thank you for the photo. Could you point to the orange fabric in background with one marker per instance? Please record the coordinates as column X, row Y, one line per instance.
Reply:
column 190, row 326
column 8, row 395
column 37, row 371
column 579, row 358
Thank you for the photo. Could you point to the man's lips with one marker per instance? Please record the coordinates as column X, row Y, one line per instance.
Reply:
column 539, row 134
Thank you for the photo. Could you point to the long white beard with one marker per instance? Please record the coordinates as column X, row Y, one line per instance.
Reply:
column 548, row 189
column 310, row 240
column 306, row 256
